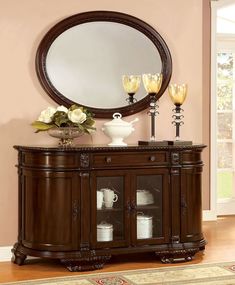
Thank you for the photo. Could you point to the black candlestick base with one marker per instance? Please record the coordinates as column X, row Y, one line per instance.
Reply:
column 131, row 99
column 179, row 142
column 153, row 143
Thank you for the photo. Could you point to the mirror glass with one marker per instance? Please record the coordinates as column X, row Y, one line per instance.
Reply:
column 86, row 62
column 81, row 60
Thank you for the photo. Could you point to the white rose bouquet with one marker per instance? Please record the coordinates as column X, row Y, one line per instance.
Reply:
column 75, row 116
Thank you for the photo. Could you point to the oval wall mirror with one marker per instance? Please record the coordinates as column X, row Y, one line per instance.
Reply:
column 82, row 58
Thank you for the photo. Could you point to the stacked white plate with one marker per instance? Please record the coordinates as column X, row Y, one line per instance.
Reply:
column 104, row 232
column 144, row 197
column 144, row 226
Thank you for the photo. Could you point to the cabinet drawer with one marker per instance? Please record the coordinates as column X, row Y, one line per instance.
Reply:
column 106, row 160
column 50, row 160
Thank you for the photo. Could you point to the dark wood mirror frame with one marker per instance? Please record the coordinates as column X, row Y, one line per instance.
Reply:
column 108, row 16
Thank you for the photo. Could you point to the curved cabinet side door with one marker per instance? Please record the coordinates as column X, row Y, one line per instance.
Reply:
column 191, row 204
column 50, row 212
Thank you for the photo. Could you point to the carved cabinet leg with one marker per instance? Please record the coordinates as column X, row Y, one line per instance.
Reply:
column 18, row 256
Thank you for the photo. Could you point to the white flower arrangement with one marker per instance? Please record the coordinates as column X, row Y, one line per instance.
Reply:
column 75, row 116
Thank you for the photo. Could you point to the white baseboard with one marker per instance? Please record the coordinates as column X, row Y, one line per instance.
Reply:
column 209, row 215
column 225, row 207
column 5, row 253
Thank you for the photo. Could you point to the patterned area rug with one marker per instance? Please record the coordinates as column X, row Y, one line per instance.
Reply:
column 206, row 274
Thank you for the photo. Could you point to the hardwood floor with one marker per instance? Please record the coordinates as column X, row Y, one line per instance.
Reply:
column 220, row 235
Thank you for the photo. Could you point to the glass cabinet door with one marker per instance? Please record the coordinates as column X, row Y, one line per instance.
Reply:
column 150, row 199
column 109, row 214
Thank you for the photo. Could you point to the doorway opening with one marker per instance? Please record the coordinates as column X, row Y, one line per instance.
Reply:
column 223, row 105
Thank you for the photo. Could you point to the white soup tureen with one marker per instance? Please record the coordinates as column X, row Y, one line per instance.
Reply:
column 118, row 130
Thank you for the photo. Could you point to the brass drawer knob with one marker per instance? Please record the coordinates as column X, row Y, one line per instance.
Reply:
column 108, row 159
column 152, row 158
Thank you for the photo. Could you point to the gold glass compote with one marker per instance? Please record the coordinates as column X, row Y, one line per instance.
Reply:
column 131, row 84
column 152, row 85
column 178, row 94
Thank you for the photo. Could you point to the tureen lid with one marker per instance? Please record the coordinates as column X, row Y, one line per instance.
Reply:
column 142, row 191
column 117, row 121
column 104, row 225
column 143, row 217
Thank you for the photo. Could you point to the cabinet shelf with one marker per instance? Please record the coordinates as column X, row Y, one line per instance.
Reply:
column 110, row 210
column 144, row 207
column 147, row 207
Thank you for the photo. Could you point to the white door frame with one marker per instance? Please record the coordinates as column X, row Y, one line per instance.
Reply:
column 215, row 5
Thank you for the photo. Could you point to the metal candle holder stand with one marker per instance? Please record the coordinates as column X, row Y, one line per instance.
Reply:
column 153, row 112
column 131, row 99
column 177, row 120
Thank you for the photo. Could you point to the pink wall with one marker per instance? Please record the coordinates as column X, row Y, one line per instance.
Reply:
column 22, row 26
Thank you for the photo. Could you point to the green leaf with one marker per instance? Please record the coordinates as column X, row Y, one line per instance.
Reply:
column 89, row 122
column 60, row 119
column 40, row 126
column 86, row 131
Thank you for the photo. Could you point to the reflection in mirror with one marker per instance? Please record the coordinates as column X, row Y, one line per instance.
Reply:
column 82, row 60
column 131, row 84
column 86, row 62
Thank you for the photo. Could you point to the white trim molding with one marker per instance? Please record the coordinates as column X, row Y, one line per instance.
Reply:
column 221, row 3
column 5, row 253
column 217, row 207
column 209, row 215
column 213, row 154
column 225, row 207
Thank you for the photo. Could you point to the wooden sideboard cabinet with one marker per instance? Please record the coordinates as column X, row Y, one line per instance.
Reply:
column 158, row 207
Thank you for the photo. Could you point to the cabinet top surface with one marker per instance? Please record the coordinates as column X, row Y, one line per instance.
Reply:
column 95, row 148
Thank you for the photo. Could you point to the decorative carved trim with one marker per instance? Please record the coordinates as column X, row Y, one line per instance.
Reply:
column 95, row 148
column 84, row 246
column 86, row 262
column 175, row 158
column 175, row 239
column 175, row 255
column 84, row 160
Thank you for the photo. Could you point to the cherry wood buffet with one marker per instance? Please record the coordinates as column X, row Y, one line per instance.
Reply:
column 58, row 215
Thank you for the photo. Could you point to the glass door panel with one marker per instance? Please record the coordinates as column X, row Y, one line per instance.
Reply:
column 109, row 213
column 110, row 216
column 149, row 205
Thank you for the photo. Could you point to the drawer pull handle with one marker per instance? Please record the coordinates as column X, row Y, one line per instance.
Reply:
column 152, row 158
column 108, row 159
